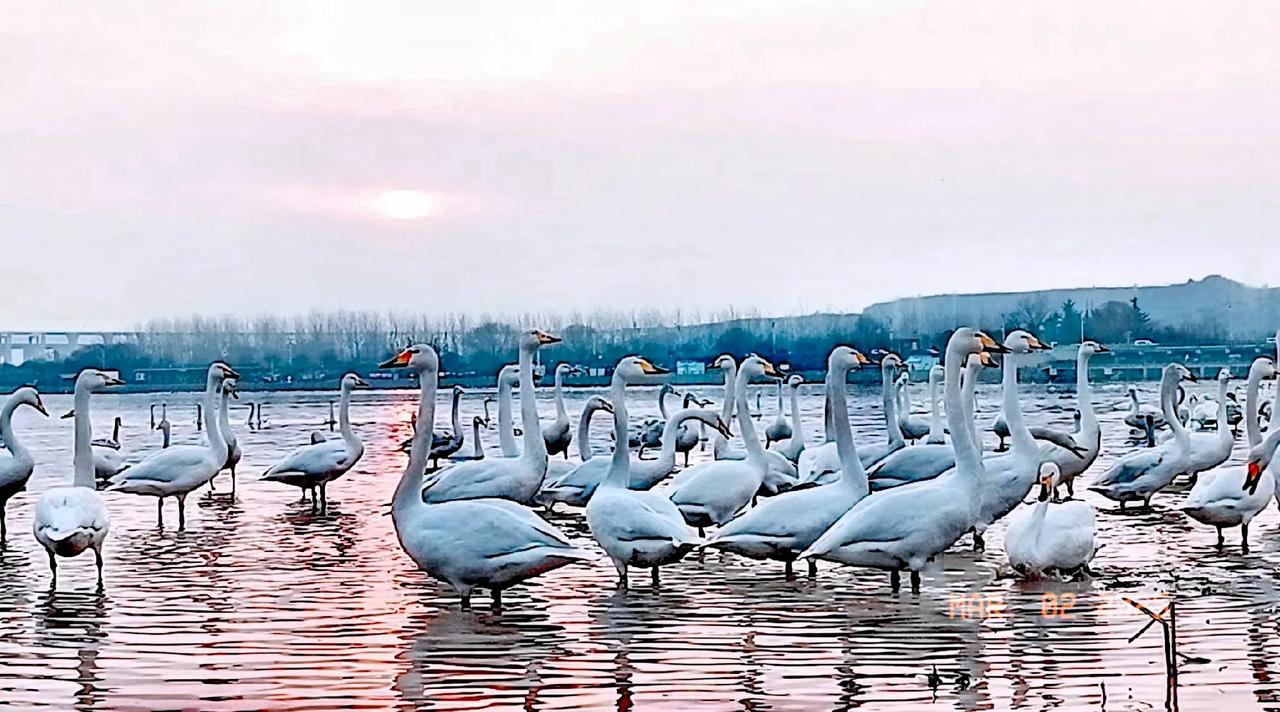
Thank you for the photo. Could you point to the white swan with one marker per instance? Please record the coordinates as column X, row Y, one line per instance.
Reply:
column 444, row 445
column 234, row 453
column 914, row 427
column 1205, row 413
column 108, row 461
column 17, row 464
column 558, row 469
column 468, row 543
column 179, row 470
column 1208, row 450
column 819, row 464
column 650, row 433
column 1142, row 473
column 164, row 426
column 686, row 437
column 1136, row 418
column 515, row 478
column 508, row 377
column 711, row 493
column 557, row 436
column 69, row 521
column 781, row 527
column 1051, row 539
column 1233, row 497
column 907, row 526
column 937, row 427
column 778, row 429
column 1088, row 439
column 635, row 528
column 314, row 466
column 791, row 447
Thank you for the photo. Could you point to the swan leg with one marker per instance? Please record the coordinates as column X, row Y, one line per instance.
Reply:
column 53, row 569
column 233, row 479
column 1194, row 476
column 915, row 582
column 160, row 512
column 813, row 567
column 497, row 599
column 895, row 581
column 182, row 512
column 1071, row 488
column 979, row 544
column 686, row 458
column 213, row 487
column 324, row 498
column 1221, row 540
column 566, row 454
column 787, row 571
column 701, row 534
column 97, row 553
column 4, row 529
column 654, row 577
column 466, row 601
column 1244, row 538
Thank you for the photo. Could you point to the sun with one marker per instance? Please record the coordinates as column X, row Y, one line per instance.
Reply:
column 405, row 204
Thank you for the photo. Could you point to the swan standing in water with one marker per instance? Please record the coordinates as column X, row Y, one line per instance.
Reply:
column 650, row 435
column 17, row 465
column 508, row 377
column 71, row 520
column 1088, row 437
column 711, row 493
column 487, row 543
column 515, row 478
column 229, row 390
column 937, row 427
column 687, row 438
column 179, row 470
column 1140, row 474
column 905, row 527
column 819, row 464
column 558, row 469
column 1137, row 415
column 313, row 467
column 1233, row 497
column 1208, row 450
column 108, row 461
column 779, row 429
column 477, row 446
column 446, row 444
column 793, row 445
column 557, row 436
column 1051, row 540
column 635, row 528
column 783, row 526
column 914, row 427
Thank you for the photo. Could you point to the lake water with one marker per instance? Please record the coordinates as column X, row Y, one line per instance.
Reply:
column 261, row 604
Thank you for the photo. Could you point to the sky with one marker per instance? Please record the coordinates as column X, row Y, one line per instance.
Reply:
column 165, row 159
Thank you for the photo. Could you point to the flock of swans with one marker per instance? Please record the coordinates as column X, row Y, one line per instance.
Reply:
column 891, row 506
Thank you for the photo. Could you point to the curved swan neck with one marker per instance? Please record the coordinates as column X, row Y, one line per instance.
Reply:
column 506, row 425
column 454, row 421
column 344, row 418
column 670, row 433
column 1168, row 389
column 755, row 451
column 11, row 442
column 408, row 493
column 224, row 419
column 584, row 431
column 853, row 476
column 890, row 406
column 216, row 444
column 82, row 457
column 620, row 464
column 1251, row 428
column 535, row 448
column 1023, row 442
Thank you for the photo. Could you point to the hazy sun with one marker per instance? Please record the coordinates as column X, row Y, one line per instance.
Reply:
column 405, row 204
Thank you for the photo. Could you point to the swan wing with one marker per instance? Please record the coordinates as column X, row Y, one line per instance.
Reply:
column 314, row 460
column 169, row 465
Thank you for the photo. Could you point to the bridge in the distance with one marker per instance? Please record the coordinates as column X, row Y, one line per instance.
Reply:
column 18, row 347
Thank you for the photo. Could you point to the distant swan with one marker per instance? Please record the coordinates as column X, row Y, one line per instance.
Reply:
column 557, row 435
column 794, row 444
column 779, row 429
column 315, row 466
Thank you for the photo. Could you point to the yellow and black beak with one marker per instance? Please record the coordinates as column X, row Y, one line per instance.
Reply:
column 606, row 406
column 651, row 370
column 1038, row 345
column 40, row 407
column 861, row 358
column 770, row 369
column 228, row 372
column 400, row 360
column 1253, row 473
column 723, row 428
column 986, row 359
column 1190, row 377
column 544, row 338
column 990, row 344
column 113, row 381
column 361, row 383
column 1046, row 488
column 1102, row 349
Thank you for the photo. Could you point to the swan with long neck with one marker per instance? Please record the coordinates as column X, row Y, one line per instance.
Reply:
column 781, row 527
column 1088, row 439
column 69, row 521
column 16, row 465
column 1136, row 418
column 819, row 464
column 651, row 430
column 179, row 470
column 905, row 527
column 489, row 543
column 580, row 484
column 557, row 436
column 1140, row 474
column 1209, row 450
column 446, row 444
column 711, row 493
column 937, row 428
column 686, row 437
column 515, row 478
column 558, row 469
column 1051, row 539
column 229, row 390
column 1233, row 497
column 108, row 460
column 508, row 377
column 721, row 448
column 312, row 467
column 779, row 429
column 164, row 426
column 635, row 528
column 794, row 444
column 913, row 427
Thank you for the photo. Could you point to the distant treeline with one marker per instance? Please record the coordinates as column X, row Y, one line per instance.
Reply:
column 322, row 345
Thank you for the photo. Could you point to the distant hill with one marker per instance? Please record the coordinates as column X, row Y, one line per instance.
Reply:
column 1239, row 311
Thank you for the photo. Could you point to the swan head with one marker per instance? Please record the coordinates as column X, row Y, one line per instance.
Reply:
column 795, row 380
column 845, row 358
column 889, row 360
column 28, row 395
column 712, row 419
column 1090, row 347
column 1263, row 367
column 756, row 366
column 351, row 381
column 635, row 369
column 1224, row 375
column 94, row 380
column 722, row 362
column 534, row 339
column 219, row 372
column 1050, row 476
column 231, row 386
column 568, row 369
column 598, row 403
column 937, row 374
column 1024, row 342
column 968, row 340
column 1176, row 373
column 419, row 357
column 509, row 375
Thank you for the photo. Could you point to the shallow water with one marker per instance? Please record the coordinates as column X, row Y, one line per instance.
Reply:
column 262, row 604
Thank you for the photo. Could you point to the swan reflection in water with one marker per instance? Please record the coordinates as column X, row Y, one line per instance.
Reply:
column 71, row 625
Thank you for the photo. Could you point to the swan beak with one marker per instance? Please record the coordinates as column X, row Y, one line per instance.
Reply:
column 113, row 381
column 544, row 338
column 861, row 358
column 723, row 428
column 990, row 344
column 69, row 414
column 606, row 406
column 1038, row 345
column 400, row 360
column 771, row 370
column 986, row 359
column 360, row 383
column 1102, row 349
column 40, row 407
column 652, row 370
column 1046, row 486
column 1191, row 377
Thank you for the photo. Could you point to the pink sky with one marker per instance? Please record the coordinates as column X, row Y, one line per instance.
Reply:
column 164, row 159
